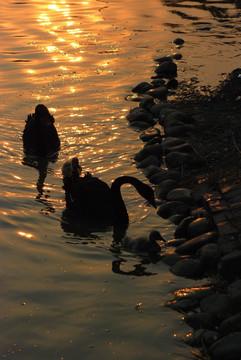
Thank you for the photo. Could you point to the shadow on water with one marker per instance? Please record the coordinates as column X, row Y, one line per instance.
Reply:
column 41, row 164
column 72, row 224
column 138, row 269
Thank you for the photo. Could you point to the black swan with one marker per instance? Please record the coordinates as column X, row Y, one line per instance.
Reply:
column 143, row 243
column 93, row 199
column 40, row 137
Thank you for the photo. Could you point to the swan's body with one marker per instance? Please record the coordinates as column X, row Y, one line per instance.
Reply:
column 143, row 243
column 92, row 198
column 40, row 137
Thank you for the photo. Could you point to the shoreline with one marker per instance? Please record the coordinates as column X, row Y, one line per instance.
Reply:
column 192, row 155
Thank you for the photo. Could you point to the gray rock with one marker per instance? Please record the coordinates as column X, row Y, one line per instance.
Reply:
column 231, row 324
column 164, row 188
column 234, row 291
column 176, row 159
column 155, row 149
column 154, row 140
column 178, row 130
column 178, row 41
column 142, row 87
column 181, row 230
column 182, row 305
column 180, row 194
column 175, row 242
column 164, row 113
column 209, row 256
column 180, row 116
column 202, row 336
column 159, row 92
column 163, row 59
column 191, row 246
column 170, row 208
column 197, row 292
column 150, row 160
column 184, row 148
column 171, row 258
column 169, row 142
column 149, row 134
column 230, row 264
column 140, row 125
column 166, row 68
column 162, row 175
column 201, row 321
column 199, row 212
column 176, row 218
column 199, row 226
column 158, row 82
column 139, row 114
column 227, row 348
column 151, row 170
column 147, row 102
column 219, row 305
column 189, row 268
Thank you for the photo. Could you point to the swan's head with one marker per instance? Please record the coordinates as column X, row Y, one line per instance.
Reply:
column 42, row 114
column 71, row 168
column 147, row 193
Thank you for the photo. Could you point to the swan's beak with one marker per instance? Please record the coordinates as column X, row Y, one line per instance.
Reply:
column 153, row 203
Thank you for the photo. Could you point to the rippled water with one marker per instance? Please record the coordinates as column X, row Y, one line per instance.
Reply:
column 66, row 293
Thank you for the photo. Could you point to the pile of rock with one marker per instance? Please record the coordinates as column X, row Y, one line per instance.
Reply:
column 166, row 158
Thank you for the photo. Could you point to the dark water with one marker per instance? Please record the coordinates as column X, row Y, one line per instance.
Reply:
column 66, row 293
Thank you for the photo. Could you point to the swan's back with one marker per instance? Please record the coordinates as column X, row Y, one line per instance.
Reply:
column 90, row 197
column 40, row 136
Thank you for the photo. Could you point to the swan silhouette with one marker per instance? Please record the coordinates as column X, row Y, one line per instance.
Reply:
column 93, row 199
column 143, row 243
column 40, row 137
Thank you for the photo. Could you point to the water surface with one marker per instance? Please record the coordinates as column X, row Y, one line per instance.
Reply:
column 66, row 292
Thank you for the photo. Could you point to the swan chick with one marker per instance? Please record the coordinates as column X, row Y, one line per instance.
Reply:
column 143, row 243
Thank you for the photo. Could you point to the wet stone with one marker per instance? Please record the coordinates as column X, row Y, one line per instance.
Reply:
column 209, row 255
column 185, row 148
column 176, row 159
column 169, row 142
column 163, row 113
column 231, row 324
column 180, row 194
column 171, row 258
column 166, row 68
column 181, row 230
column 155, row 140
column 178, row 41
column 178, row 130
column 198, row 293
column 158, row 82
column 172, row 84
column 155, row 149
column 219, row 305
column 234, row 291
column 140, row 114
column 227, row 348
column 150, row 160
column 176, row 218
column 199, row 226
column 189, row 268
column 142, row 88
column 202, row 336
column 183, row 305
column 151, row 170
column 180, row 116
column 191, row 246
column 170, row 208
column 162, row 175
column 230, row 264
column 201, row 321
column 140, row 125
column 149, row 134
column 158, row 92
column 164, row 188
column 175, row 242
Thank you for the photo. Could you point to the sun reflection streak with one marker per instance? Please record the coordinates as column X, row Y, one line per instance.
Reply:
column 24, row 234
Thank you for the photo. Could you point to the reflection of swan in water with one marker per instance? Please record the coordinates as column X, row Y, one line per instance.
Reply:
column 41, row 164
column 143, row 243
column 40, row 137
column 91, row 198
column 139, row 269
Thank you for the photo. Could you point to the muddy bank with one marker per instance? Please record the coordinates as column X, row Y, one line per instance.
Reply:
column 192, row 155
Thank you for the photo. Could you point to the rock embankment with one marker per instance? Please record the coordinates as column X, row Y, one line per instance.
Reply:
column 191, row 155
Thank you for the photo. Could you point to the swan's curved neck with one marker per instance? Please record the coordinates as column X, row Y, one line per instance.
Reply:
column 120, row 212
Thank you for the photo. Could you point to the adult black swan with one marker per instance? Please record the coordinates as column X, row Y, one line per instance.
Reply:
column 40, row 137
column 92, row 199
